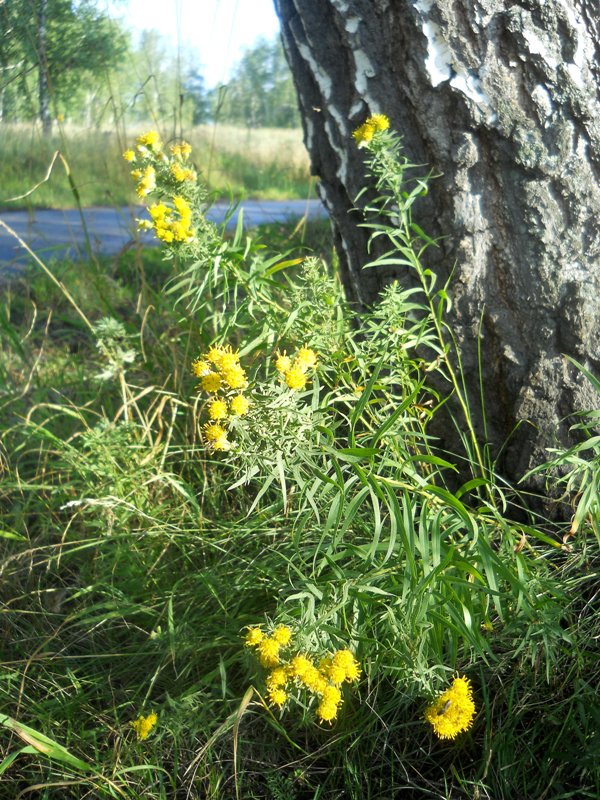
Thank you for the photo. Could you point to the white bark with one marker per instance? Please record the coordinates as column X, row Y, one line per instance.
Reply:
column 502, row 99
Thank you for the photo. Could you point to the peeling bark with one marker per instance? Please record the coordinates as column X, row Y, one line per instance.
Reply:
column 503, row 100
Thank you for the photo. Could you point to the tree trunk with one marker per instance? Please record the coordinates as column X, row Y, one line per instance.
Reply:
column 502, row 100
column 43, row 87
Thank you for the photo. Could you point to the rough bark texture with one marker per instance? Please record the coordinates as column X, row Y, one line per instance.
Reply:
column 503, row 100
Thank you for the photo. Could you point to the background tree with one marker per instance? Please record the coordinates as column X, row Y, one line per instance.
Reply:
column 261, row 91
column 60, row 41
column 502, row 100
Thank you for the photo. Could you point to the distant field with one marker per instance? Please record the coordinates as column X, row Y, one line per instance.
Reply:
column 266, row 163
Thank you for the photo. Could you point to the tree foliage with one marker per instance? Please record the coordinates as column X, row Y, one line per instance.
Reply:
column 64, row 40
column 261, row 92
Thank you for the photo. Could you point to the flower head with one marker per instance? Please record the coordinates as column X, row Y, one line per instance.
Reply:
column 327, row 712
column 268, row 651
column 213, row 432
column 452, row 711
column 182, row 150
column 254, row 637
column 200, row 367
column 129, row 155
column 376, row 123
column 215, row 354
column 277, row 677
column 283, row 362
column 211, row 382
column 282, row 634
column 239, row 405
column 222, row 443
column 150, row 140
column 277, row 696
column 336, row 674
column 344, row 659
column 299, row 665
column 295, row 378
column 305, row 359
column 144, row 725
column 147, row 182
column 217, row 409
column 331, row 694
column 314, row 680
column 182, row 173
column 234, row 376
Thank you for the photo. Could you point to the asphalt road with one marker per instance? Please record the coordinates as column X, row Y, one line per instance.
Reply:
column 59, row 234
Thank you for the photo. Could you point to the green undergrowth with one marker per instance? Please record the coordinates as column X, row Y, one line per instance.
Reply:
column 134, row 557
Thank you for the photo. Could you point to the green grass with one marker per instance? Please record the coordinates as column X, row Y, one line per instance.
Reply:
column 265, row 163
column 130, row 567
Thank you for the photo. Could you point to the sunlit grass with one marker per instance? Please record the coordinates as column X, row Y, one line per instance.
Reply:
column 261, row 163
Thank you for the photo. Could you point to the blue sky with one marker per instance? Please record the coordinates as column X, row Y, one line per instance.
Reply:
column 216, row 30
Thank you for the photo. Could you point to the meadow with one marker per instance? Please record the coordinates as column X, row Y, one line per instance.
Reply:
column 258, row 163
column 235, row 560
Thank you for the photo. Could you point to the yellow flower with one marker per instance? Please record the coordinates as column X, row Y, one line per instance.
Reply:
column 277, row 677
column 222, row 443
column 182, row 232
column 177, row 171
column 217, row 409
column 327, row 712
column 345, row 660
column 239, row 405
column 452, row 711
column 277, row 697
column 234, row 377
column 211, row 382
column 183, row 208
column 254, row 637
column 331, row 694
column 215, row 354
column 299, row 665
column 268, row 651
column 374, row 124
column 305, row 359
column 363, row 134
column 200, row 367
column 282, row 634
column 143, row 725
column 150, row 139
column 129, row 155
column 283, row 362
column 213, row 432
column 379, row 122
column 229, row 359
column 147, row 182
column 182, row 173
column 182, row 150
column 314, row 680
column 336, row 674
column 158, row 211
column 295, row 378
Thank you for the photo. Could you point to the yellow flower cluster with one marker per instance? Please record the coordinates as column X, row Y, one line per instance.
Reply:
column 294, row 371
column 452, row 712
column 146, row 180
column 374, row 124
column 299, row 671
column 182, row 173
column 172, row 224
column 143, row 725
column 155, row 171
column 222, row 376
